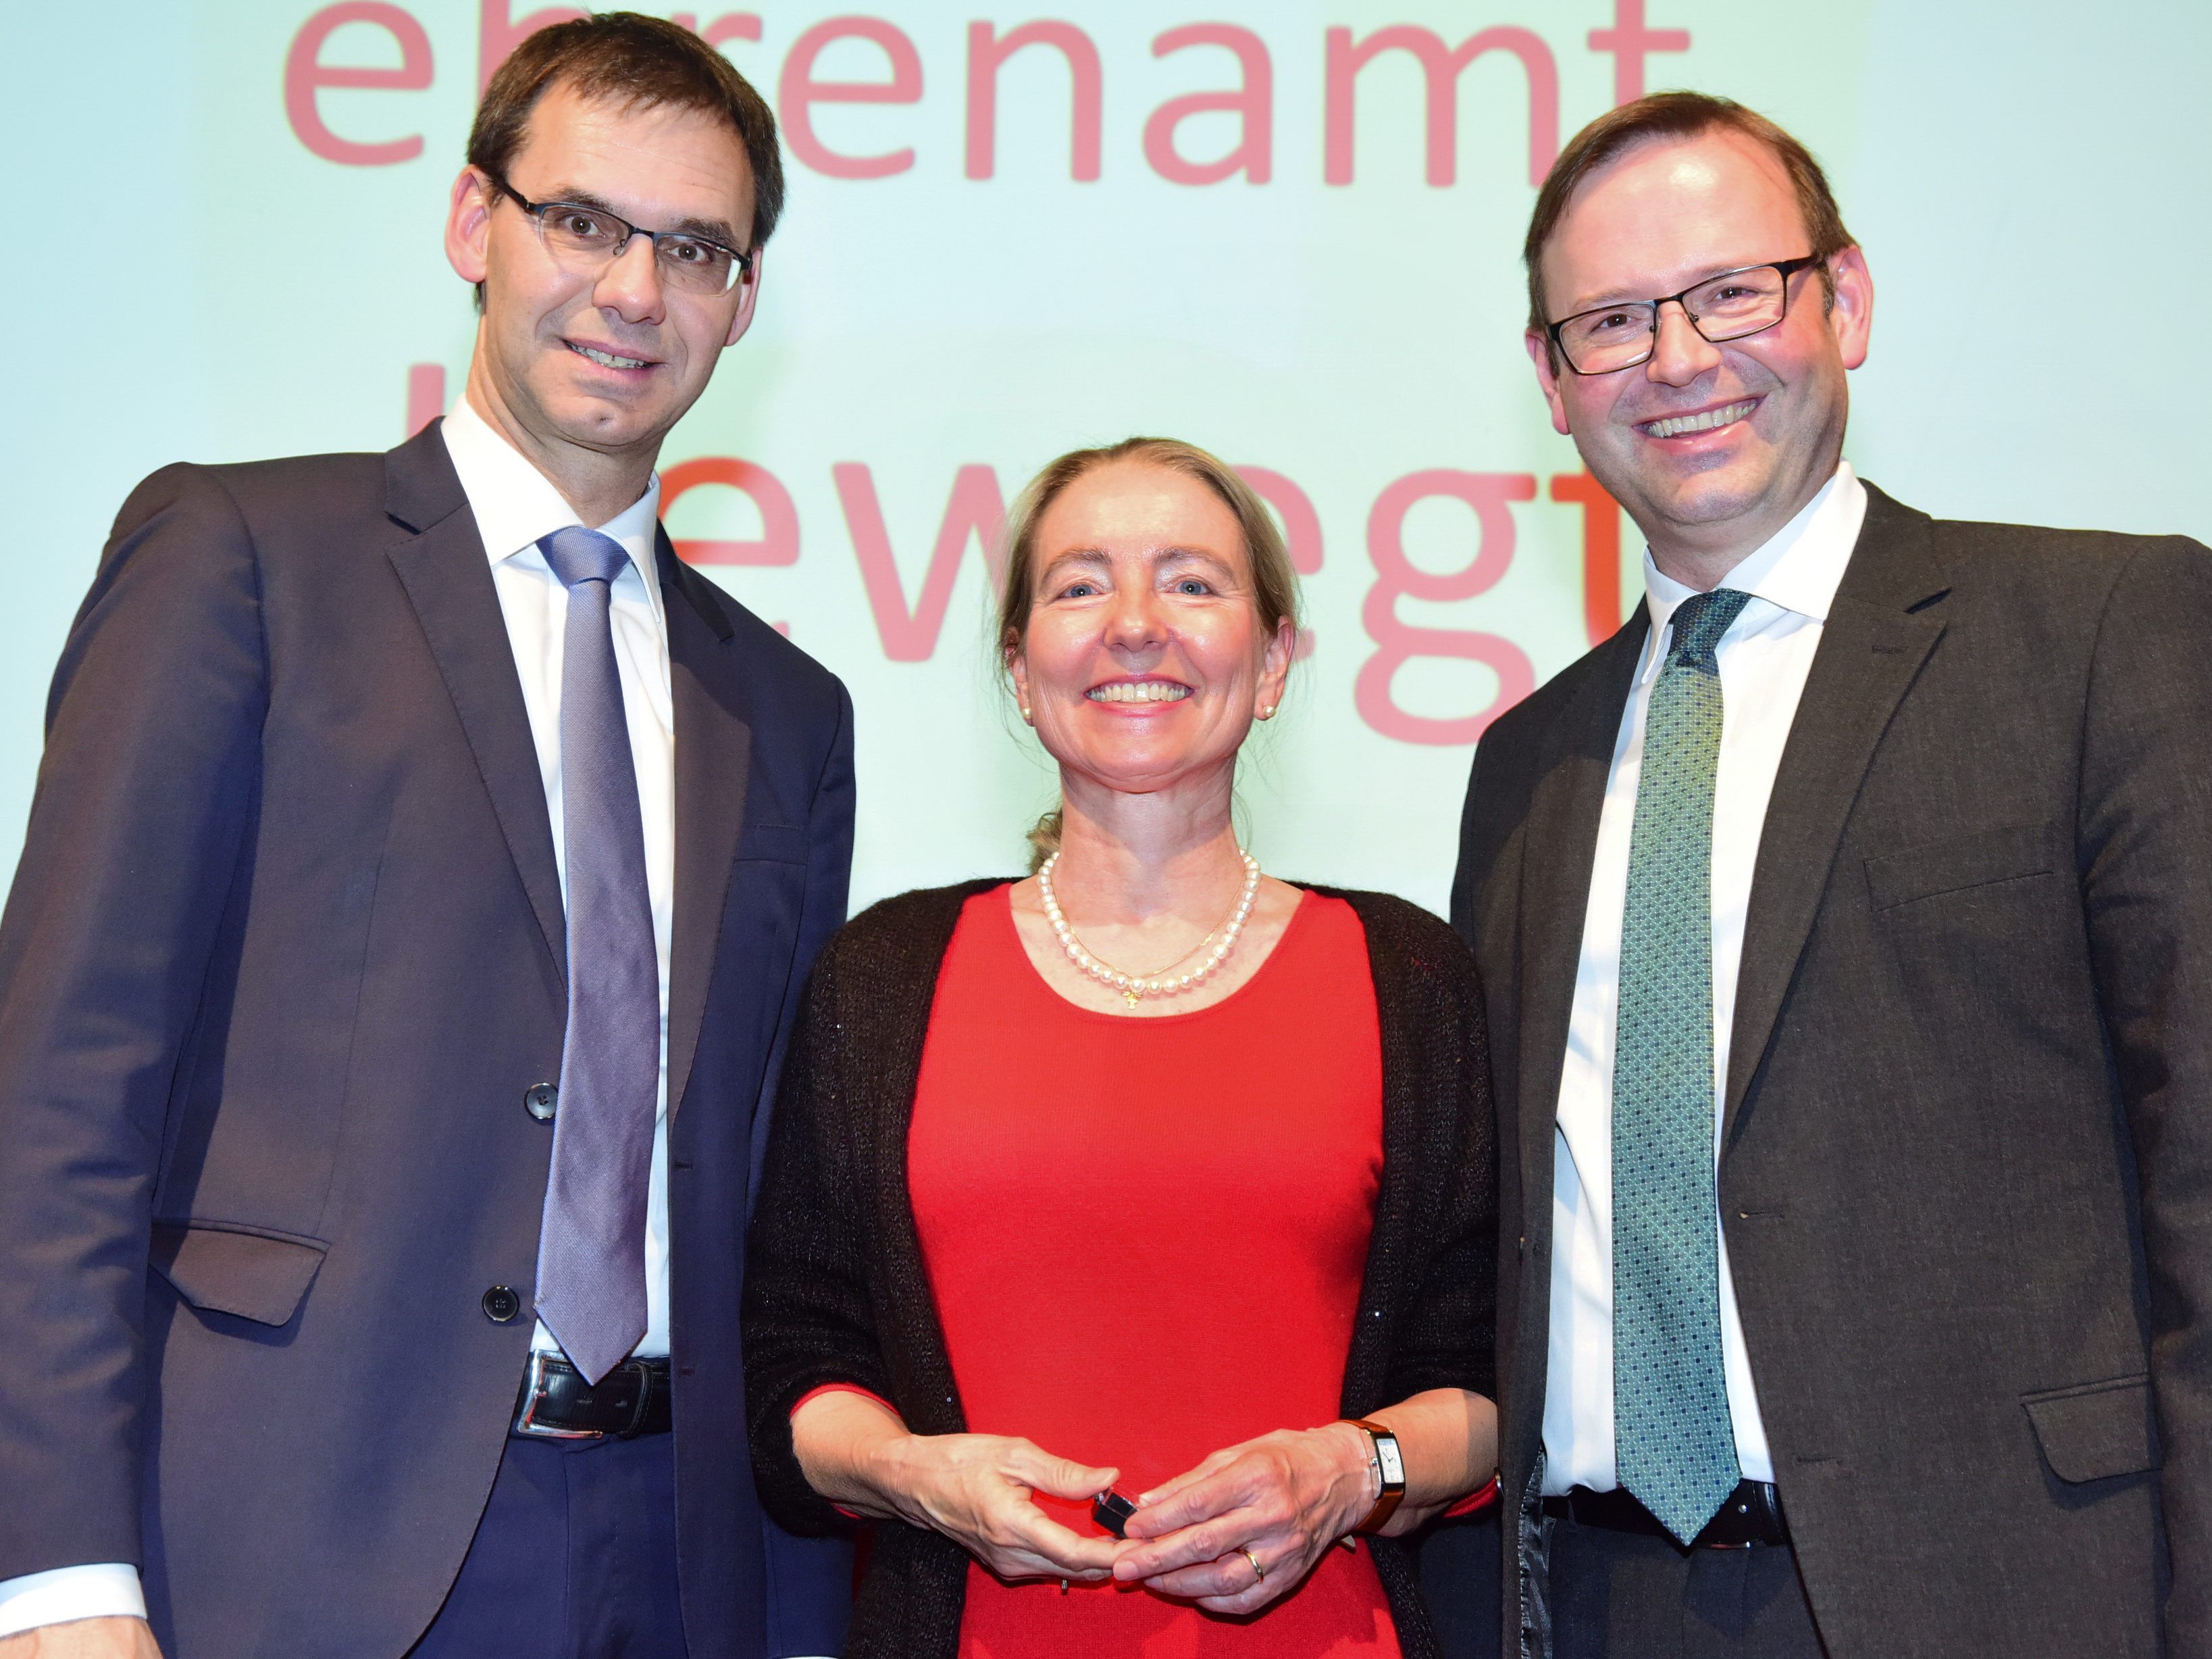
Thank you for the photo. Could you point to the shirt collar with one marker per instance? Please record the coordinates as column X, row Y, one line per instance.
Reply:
column 516, row 506
column 1797, row 569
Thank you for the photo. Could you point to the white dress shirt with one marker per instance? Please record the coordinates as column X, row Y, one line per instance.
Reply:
column 1764, row 659
column 515, row 505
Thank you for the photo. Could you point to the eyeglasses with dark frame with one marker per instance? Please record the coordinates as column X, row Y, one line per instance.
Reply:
column 1728, row 307
column 590, row 237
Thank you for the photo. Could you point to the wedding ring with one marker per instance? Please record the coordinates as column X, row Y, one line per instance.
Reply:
column 1259, row 1572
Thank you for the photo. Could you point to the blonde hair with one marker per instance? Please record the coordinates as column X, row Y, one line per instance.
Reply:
column 1275, row 581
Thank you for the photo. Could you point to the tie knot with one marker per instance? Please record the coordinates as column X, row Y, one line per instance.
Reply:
column 1700, row 620
column 578, row 555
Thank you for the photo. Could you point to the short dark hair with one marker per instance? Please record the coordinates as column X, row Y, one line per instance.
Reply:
column 1677, row 115
column 637, row 61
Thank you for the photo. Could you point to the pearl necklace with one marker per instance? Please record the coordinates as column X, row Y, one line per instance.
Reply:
column 1135, row 987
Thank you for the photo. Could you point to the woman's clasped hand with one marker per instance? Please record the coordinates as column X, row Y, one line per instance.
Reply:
column 1242, row 1528
column 1284, row 1498
column 978, row 1488
column 1248, row 1524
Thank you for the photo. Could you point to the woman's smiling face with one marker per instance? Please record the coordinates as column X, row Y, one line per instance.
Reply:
column 1145, row 656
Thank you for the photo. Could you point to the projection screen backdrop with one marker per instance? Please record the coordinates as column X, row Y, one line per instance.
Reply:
column 1285, row 231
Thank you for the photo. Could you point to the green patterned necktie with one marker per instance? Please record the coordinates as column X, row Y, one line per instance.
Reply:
column 1675, row 1443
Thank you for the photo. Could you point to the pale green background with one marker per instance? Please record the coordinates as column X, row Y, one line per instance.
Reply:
column 2027, row 176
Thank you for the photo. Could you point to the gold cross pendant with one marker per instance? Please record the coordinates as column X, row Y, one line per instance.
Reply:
column 1132, row 994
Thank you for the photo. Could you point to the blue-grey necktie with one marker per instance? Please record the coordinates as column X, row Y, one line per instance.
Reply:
column 1674, row 1441
column 591, row 1241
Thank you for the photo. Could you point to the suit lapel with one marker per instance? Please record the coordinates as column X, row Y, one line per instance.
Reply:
column 1875, row 641
column 448, row 580
column 713, row 753
column 1559, row 845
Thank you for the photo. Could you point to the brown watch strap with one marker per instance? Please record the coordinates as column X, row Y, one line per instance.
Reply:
column 1394, row 1490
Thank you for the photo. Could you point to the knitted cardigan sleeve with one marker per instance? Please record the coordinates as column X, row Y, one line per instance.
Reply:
column 808, row 1320
column 1437, row 1063
column 1428, row 1301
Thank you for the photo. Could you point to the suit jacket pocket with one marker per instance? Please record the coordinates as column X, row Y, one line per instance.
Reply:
column 228, row 1267
column 1981, row 859
column 785, row 843
column 2095, row 1431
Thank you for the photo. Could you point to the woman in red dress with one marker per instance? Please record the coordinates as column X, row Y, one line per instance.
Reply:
column 1148, row 1173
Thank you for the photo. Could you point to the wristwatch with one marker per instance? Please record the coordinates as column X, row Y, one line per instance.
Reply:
column 1389, row 1464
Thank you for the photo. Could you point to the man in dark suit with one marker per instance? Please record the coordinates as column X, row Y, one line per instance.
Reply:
column 422, row 869
column 1847, row 937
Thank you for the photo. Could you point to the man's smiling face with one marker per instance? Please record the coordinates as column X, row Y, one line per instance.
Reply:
column 1712, row 449
column 604, row 360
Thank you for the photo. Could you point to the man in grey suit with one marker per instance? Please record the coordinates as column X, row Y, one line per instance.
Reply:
column 1847, row 937
column 410, row 925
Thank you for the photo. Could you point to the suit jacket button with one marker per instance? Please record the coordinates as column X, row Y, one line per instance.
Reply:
column 501, row 1305
column 541, row 1101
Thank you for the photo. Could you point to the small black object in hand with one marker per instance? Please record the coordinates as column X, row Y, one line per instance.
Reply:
column 1112, row 1511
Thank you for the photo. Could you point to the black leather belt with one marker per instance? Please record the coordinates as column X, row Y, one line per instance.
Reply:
column 558, row 1404
column 1753, row 1515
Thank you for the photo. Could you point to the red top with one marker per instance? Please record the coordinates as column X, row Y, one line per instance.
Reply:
column 1145, row 1237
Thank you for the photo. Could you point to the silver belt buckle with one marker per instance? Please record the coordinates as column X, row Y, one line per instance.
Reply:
column 533, row 1396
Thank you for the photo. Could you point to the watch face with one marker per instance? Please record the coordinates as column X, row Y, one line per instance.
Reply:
column 1394, row 1464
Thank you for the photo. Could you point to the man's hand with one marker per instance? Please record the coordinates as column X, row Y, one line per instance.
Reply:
column 84, row 1639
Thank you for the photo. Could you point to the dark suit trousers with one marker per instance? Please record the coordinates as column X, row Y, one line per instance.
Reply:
column 574, row 1558
column 1623, row 1596
column 1461, row 1572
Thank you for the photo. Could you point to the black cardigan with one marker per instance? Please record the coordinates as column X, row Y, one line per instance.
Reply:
column 836, row 1292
